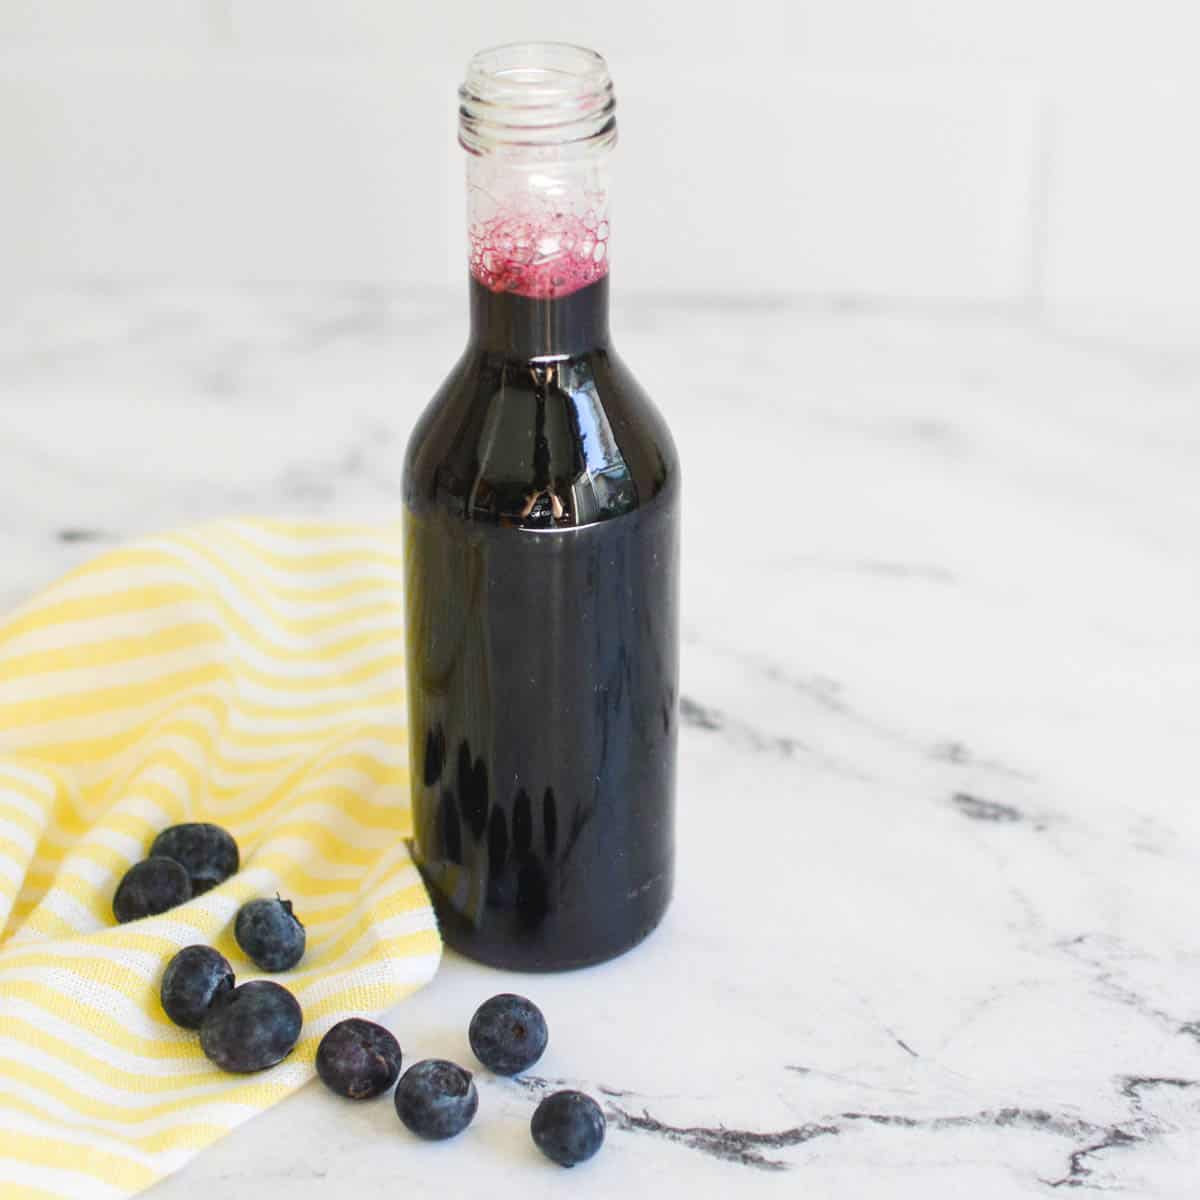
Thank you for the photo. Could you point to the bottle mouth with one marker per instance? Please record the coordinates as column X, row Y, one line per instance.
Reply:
column 536, row 94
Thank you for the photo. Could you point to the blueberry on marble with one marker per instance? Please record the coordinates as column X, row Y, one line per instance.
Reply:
column 358, row 1059
column 270, row 934
column 568, row 1127
column 207, row 852
column 436, row 1099
column 508, row 1034
column 151, row 887
column 193, row 980
column 252, row 1027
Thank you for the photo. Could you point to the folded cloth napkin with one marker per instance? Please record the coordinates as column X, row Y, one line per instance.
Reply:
column 249, row 673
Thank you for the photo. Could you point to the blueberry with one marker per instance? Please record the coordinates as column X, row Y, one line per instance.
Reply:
column 358, row 1059
column 206, row 852
column 568, row 1127
column 436, row 1099
column 508, row 1034
column 270, row 934
column 251, row 1028
column 151, row 887
column 194, row 978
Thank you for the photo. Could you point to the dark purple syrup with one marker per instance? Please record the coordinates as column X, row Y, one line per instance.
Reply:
column 541, row 520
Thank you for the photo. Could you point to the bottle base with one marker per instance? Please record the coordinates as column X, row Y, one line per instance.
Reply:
column 523, row 950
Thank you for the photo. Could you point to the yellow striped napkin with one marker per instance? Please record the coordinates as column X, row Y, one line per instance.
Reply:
column 249, row 673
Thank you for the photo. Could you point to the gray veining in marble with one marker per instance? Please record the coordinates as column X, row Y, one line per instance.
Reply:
column 936, row 926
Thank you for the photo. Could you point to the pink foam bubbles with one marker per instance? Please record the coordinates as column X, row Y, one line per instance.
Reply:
column 540, row 257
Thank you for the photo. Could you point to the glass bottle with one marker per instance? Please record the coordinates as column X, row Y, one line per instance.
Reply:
column 541, row 492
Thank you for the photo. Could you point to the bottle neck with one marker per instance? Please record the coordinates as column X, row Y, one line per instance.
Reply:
column 538, row 236
column 527, row 327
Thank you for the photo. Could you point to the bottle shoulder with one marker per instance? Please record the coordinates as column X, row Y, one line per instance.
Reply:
column 540, row 443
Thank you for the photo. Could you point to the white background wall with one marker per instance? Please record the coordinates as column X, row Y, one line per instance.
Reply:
column 1041, row 153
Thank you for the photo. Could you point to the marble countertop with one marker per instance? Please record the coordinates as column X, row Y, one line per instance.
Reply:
column 936, row 929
